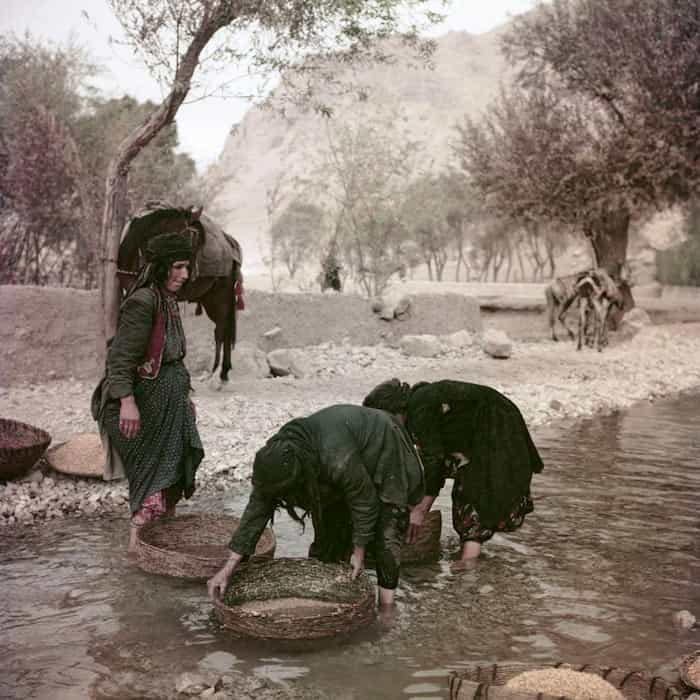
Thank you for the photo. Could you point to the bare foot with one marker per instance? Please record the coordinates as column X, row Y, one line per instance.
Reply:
column 387, row 615
column 464, row 564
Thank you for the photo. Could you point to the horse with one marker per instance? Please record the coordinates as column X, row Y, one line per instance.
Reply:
column 215, row 293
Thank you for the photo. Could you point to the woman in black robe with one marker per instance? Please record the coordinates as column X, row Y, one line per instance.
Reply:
column 475, row 435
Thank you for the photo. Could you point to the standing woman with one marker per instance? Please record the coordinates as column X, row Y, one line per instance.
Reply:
column 142, row 404
column 477, row 436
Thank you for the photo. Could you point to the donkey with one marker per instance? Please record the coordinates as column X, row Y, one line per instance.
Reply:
column 560, row 295
column 597, row 293
column 215, row 294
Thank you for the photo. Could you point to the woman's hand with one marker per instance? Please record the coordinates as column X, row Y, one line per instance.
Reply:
column 217, row 584
column 357, row 560
column 129, row 417
column 415, row 523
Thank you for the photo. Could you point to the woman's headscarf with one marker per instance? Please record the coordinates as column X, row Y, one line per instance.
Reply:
column 285, row 471
column 166, row 248
column 391, row 396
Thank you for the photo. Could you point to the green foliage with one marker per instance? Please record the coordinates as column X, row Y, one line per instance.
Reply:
column 294, row 234
column 57, row 137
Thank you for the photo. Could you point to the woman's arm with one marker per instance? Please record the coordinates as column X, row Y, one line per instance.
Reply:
column 243, row 541
column 129, row 345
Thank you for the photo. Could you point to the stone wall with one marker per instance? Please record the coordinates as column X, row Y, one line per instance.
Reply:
column 50, row 332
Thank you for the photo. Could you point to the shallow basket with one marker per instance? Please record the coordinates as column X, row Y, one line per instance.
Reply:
column 21, row 446
column 488, row 682
column 192, row 546
column 296, row 599
column 426, row 548
column 81, row 455
column 689, row 671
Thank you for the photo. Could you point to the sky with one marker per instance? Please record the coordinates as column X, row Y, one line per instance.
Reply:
column 202, row 125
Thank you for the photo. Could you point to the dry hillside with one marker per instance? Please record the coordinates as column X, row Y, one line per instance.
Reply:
column 267, row 146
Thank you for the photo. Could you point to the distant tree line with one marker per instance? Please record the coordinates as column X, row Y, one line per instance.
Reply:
column 57, row 134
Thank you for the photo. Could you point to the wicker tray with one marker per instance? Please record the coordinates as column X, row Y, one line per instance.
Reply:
column 482, row 682
column 21, row 446
column 689, row 670
column 426, row 548
column 192, row 546
column 82, row 455
column 296, row 599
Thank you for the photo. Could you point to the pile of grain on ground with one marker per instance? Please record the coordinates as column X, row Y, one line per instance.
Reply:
column 574, row 685
column 82, row 455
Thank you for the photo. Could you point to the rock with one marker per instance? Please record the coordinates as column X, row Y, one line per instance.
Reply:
column 285, row 362
column 394, row 304
column 197, row 683
column 684, row 619
column 272, row 333
column 485, row 590
column 420, row 345
column 247, row 360
column 555, row 405
column 272, row 339
column 496, row 343
column 459, row 339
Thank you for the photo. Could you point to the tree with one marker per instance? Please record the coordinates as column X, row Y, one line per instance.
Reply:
column 176, row 37
column 366, row 176
column 603, row 121
column 43, row 198
column 294, row 233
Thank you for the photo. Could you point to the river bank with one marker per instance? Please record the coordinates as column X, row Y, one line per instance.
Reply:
column 550, row 382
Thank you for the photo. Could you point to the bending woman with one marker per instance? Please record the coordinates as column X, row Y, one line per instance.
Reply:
column 142, row 404
column 477, row 436
column 354, row 470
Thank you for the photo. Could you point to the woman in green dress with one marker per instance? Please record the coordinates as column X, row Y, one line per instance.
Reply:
column 476, row 435
column 354, row 471
column 142, row 405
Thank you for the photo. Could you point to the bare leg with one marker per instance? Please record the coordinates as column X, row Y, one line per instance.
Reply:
column 468, row 556
column 386, row 597
column 133, row 538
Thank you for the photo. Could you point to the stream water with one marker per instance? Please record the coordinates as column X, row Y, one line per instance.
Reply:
column 594, row 575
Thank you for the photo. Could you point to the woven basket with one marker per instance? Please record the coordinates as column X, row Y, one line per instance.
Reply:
column 484, row 682
column 192, row 546
column 296, row 599
column 82, row 455
column 426, row 548
column 689, row 670
column 21, row 446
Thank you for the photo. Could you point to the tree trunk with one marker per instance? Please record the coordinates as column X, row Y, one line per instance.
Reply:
column 609, row 236
column 117, row 176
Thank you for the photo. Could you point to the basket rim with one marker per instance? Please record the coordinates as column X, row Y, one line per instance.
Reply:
column 363, row 580
column 40, row 433
column 684, row 667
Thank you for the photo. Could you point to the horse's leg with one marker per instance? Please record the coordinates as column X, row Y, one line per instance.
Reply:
column 562, row 315
column 582, row 305
column 229, row 320
column 551, row 311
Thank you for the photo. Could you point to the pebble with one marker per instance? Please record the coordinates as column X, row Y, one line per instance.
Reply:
column 551, row 381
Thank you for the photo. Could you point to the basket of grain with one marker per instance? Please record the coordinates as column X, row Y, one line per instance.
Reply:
column 81, row 455
column 21, row 446
column 192, row 546
column 558, row 682
column 689, row 670
column 296, row 599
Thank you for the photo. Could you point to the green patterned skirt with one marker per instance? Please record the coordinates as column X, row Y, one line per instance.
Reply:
column 167, row 450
